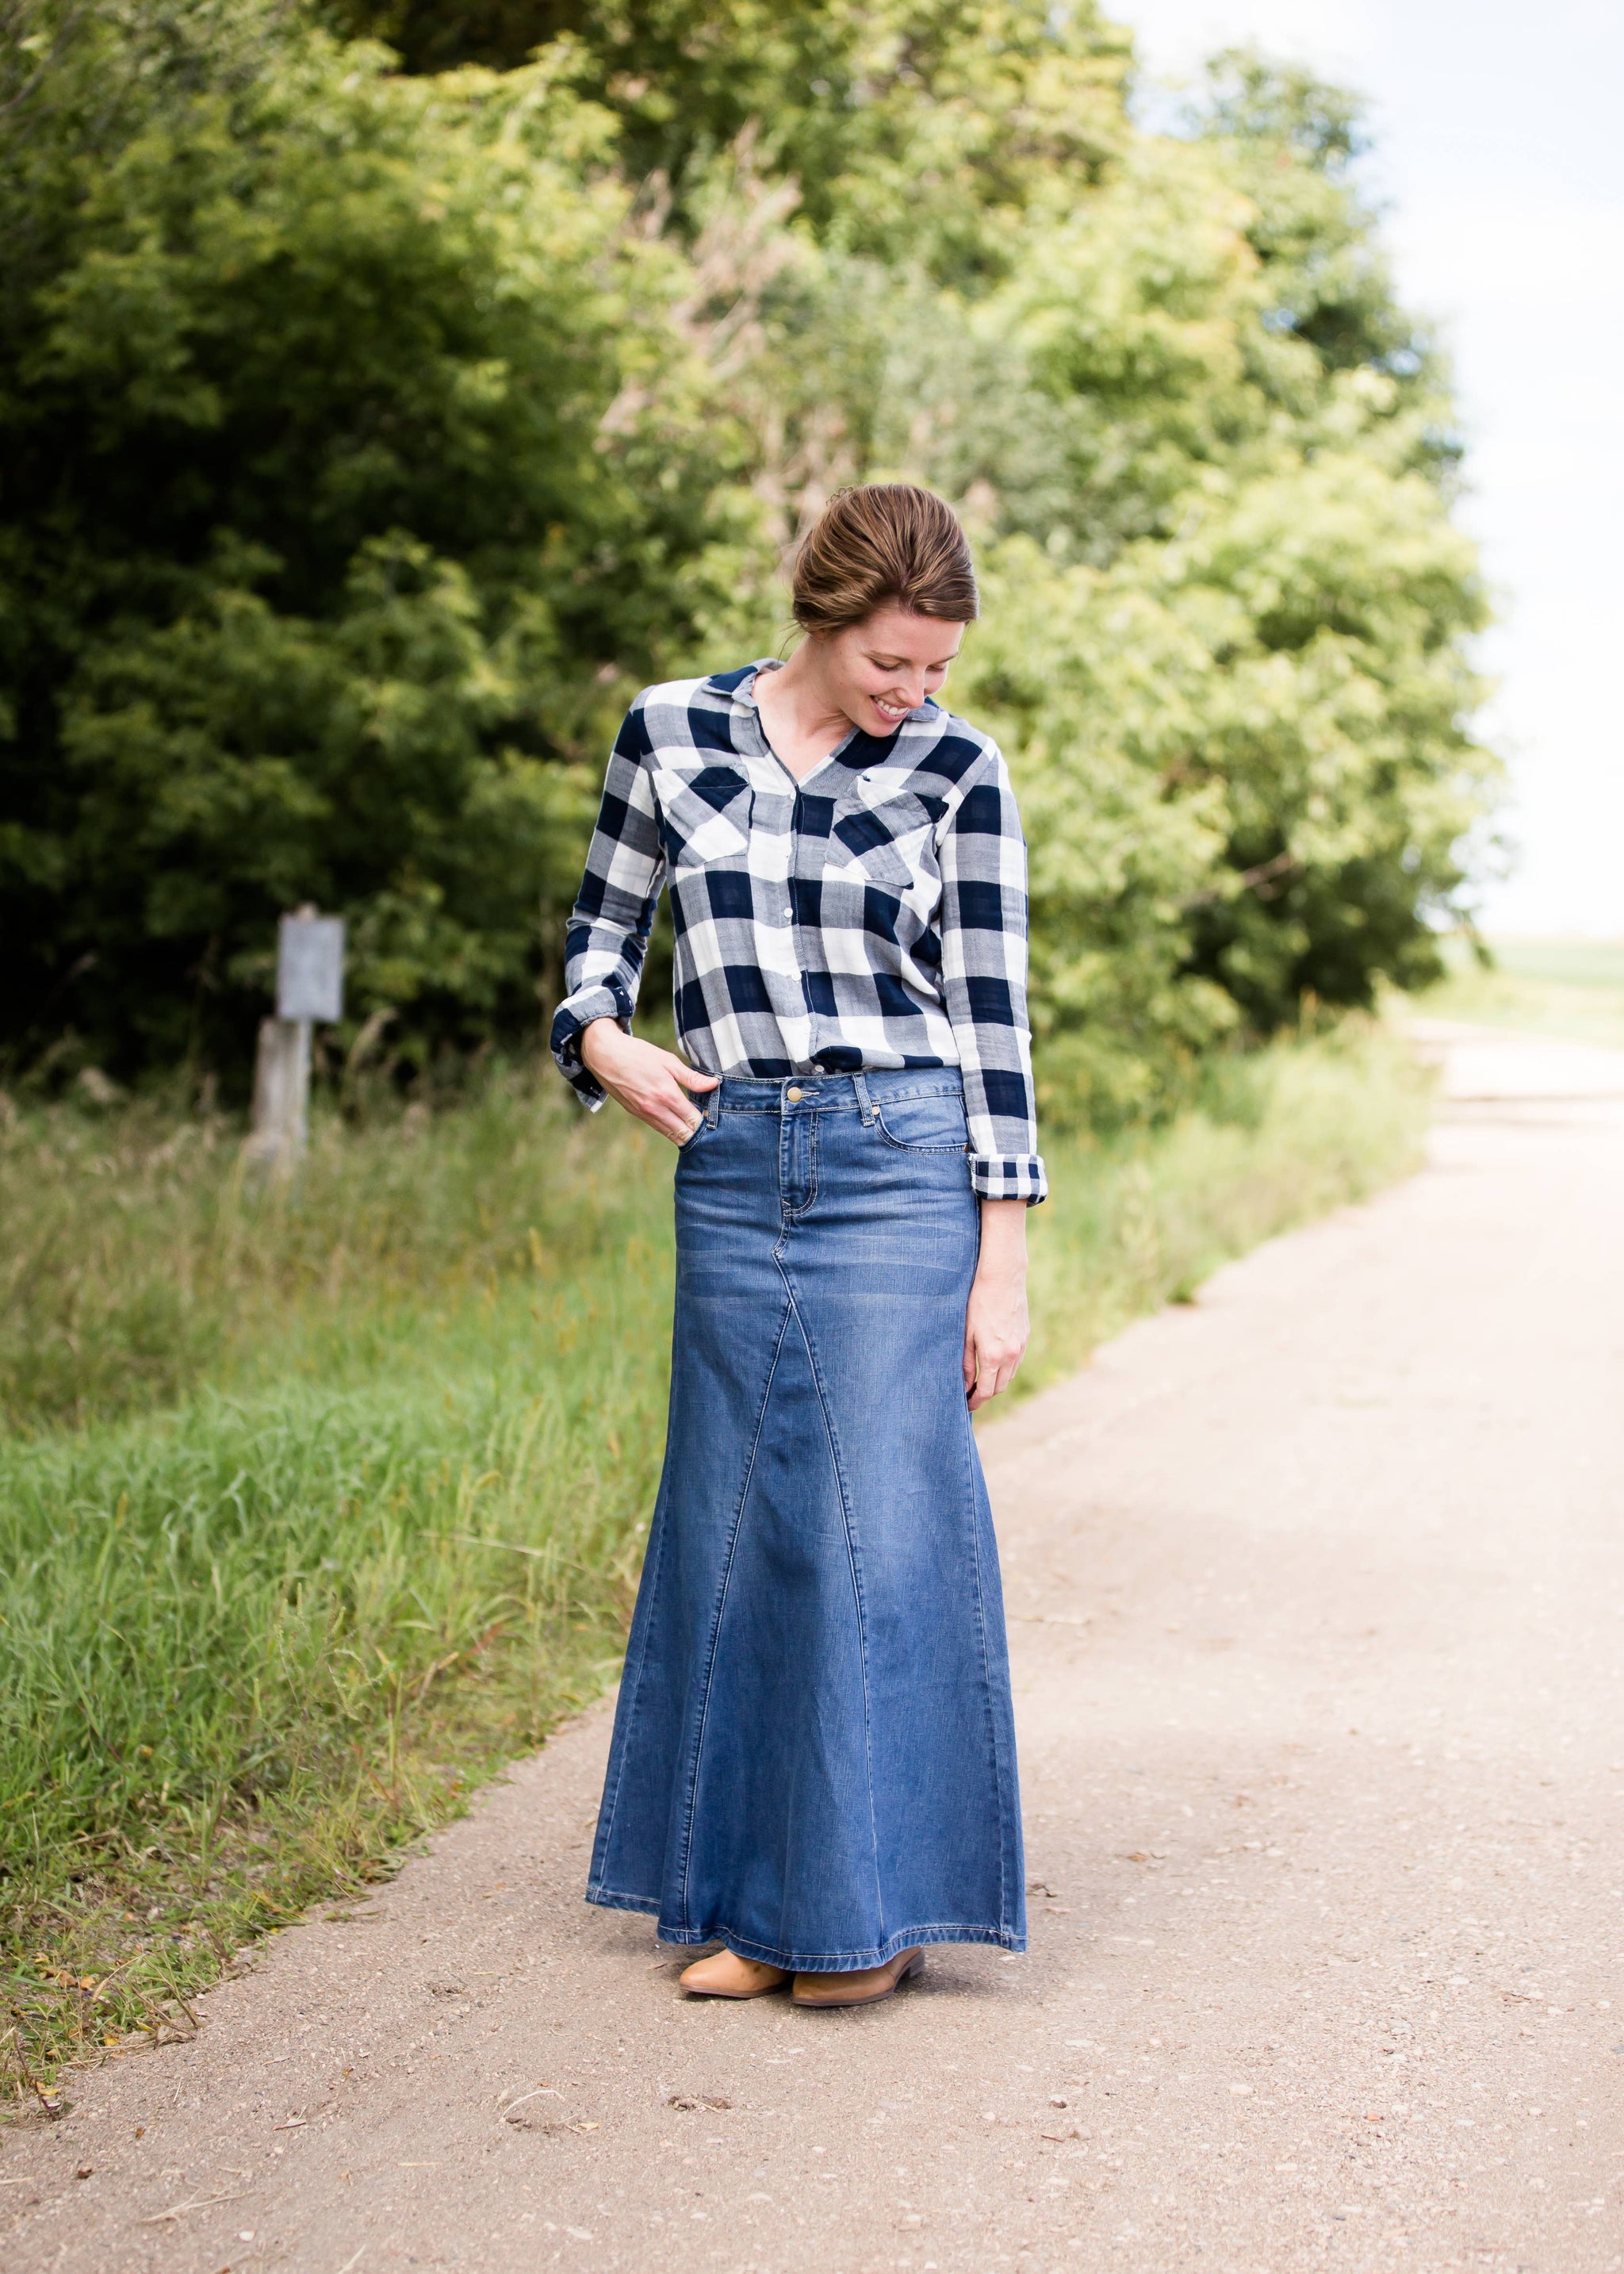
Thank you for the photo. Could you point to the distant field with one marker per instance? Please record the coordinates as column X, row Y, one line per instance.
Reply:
column 1572, row 988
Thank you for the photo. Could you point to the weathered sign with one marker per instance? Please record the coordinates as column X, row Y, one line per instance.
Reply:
column 309, row 967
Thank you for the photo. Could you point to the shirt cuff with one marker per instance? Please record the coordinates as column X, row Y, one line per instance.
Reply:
column 571, row 1016
column 1009, row 1176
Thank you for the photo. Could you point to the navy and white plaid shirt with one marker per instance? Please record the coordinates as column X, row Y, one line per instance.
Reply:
column 873, row 915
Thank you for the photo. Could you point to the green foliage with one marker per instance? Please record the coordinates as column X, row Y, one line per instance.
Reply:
column 369, row 435
column 324, row 564
column 887, row 114
column 1226, row 607
column 249, row 1645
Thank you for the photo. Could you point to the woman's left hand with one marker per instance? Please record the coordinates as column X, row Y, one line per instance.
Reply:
column 995, row 1322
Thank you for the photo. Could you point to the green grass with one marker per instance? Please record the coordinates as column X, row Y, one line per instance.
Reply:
column 316, row 1506
column 1280, row 1139
column 140, row 1260
column 1570, row 989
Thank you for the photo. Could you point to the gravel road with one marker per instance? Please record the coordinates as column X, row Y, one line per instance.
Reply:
column 1317, row 1591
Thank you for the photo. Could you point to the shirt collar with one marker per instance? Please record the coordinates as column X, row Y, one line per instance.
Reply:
column 741, row 684
column 858, row 749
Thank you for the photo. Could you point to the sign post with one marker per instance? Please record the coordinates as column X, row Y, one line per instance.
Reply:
column 310, row 985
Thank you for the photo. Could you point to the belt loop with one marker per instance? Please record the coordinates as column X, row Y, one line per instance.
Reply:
column 865, row 1103
column 713, row 1105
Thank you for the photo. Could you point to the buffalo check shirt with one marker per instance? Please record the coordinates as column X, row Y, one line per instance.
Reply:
column 871, row 916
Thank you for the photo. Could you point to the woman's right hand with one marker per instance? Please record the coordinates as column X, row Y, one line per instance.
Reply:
column 652, row 1083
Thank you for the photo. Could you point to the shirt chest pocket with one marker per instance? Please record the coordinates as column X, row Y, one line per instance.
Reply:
column 704, row 815
column 889, row 843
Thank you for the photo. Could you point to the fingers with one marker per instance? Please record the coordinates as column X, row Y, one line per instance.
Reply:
column 988, row 1374
column 689, row 1078
column 678, row 1116
column 661, row 1105
column 683, row 1129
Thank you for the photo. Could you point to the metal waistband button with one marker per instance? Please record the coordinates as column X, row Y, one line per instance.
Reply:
column 794, row 1096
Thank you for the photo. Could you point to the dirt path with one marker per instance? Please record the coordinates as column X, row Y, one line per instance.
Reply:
column 1317, row 1592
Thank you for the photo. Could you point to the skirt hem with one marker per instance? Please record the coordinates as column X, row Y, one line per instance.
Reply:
column 822, row 1961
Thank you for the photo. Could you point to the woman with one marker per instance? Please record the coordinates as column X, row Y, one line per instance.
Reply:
column 814, row 1758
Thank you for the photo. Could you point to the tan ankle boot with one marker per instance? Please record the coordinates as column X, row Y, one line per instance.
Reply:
column 865, row 1987
column 725, row 1975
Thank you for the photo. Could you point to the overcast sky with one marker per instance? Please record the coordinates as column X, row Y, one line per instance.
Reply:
column 1501, row 155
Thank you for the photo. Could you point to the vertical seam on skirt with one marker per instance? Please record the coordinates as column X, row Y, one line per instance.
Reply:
column 620, row 1750
column 976, row 1485
column 973, row 1462
column 854, row 1560
column 721, row 1605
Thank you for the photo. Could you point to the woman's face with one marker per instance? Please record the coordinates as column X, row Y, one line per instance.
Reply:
column 883, row 668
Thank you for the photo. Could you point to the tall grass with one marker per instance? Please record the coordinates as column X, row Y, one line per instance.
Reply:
column 141, row 1257
column 1276, row 1140
column 353, row 1498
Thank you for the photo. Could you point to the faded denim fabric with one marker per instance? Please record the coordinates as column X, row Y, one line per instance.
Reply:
column 814, row 1756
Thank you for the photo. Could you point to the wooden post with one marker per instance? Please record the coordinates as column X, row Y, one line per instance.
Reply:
column 310, row 985
column 281, row 1127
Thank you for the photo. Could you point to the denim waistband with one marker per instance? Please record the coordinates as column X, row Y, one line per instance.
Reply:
column 826, row 1093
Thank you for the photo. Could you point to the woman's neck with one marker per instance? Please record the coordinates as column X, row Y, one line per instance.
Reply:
column 803, row 721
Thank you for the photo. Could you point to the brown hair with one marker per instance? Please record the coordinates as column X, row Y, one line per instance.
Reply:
column 884, row 545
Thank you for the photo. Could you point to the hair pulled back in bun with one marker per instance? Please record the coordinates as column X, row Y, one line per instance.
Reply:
column 885, row 544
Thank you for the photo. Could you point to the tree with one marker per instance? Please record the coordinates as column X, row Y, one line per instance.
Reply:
column 1210, row 465
column 368, row 435
column 880, row 110
column 336, row 520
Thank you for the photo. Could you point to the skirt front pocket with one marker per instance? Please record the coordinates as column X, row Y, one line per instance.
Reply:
column 935, row 1123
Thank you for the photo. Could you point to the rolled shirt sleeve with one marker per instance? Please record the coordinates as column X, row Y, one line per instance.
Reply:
column 614, row 914
column 982, row 858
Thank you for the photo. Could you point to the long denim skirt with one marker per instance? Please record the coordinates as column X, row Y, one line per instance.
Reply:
column 813, row 1755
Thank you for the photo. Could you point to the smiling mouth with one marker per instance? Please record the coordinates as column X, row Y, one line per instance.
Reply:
column 891, row 710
